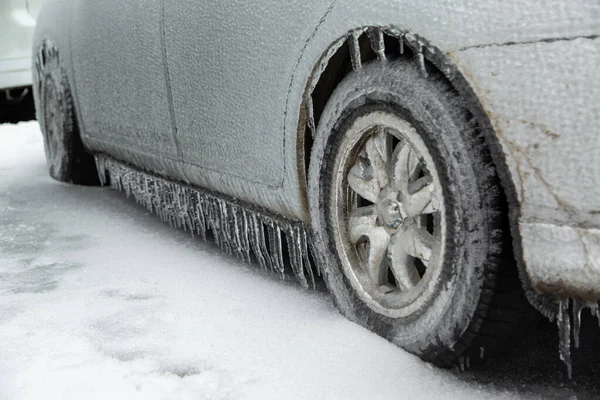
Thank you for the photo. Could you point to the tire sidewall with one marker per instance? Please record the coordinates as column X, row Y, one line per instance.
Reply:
column 53, row 77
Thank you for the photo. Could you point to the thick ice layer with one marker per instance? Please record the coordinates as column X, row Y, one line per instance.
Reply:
column 239, row 229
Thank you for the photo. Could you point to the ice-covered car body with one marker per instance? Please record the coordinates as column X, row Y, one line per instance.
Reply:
column 17, row 23
column 227, row 96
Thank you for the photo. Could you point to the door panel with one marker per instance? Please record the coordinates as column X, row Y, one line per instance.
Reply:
column 230, row 64
column 119, row 74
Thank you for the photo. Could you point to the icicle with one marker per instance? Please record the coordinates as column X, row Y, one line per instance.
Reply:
column 245, row 236
column 259, row 243
column 214, row 222
column 307, row 248
column 190, row 210
column 303, row 249
column 234, row 228
column 401, row 44
column 293, row 242
column 234, row 231
column 310, row 115
column 564, row 335
column 237, row 229
column 595, row 310
column 199, row 214
column 354, row 49
column 224, row 222
column 461, row 364
column 576, row 312
column 276, row 249
column 241, row 235
column 101, row 168
column 420, row 58
column 377, row 43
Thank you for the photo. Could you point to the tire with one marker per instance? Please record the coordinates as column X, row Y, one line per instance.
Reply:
column 445, row 286
column 66, row 156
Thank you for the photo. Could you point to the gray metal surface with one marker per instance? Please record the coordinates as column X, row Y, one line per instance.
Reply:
column 119, row 74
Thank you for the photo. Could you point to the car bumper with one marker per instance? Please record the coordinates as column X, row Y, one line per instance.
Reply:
column 544, row 111
column 562, row 260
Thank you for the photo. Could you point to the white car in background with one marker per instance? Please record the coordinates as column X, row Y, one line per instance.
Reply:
column 17, row 23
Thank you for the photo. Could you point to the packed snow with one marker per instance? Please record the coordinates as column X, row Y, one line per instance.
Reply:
column 99, row 299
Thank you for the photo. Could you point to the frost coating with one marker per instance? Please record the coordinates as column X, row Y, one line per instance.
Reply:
column 246, row 232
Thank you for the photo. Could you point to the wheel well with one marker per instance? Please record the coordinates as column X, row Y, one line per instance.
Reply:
column 350, row 52
column 369, row 43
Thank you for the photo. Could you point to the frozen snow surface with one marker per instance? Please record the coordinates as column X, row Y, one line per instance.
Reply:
column 99, row 299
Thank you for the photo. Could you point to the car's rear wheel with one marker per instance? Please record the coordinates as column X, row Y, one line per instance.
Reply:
column 408, row 216
column 66, row 157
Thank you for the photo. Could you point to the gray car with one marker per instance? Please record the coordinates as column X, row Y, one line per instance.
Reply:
column 436, row 162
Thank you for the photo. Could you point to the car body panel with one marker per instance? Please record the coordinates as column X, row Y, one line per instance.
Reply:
column 238, row 127
column 126, row 99
column 542, row 99
column 228, row 67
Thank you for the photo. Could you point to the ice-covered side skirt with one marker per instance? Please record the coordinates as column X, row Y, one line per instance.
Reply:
column 247, row 231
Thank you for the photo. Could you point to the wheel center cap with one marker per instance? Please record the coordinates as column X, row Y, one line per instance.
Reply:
column 390, row 212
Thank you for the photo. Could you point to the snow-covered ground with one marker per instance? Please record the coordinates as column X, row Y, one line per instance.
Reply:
column 100, row 300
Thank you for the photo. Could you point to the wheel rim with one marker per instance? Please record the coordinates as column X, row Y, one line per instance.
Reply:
column 389, row 218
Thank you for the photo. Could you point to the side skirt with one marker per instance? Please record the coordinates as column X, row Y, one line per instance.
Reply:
column 247, row 231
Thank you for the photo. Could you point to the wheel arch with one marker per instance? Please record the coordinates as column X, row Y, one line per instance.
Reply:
column 368, row 43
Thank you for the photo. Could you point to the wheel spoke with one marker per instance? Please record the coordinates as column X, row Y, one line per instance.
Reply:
column 404, row 162
column 375, row 253
column 403, row 268
column 424, row 200
column 361, row 179
column 418, row 242
column 418, row 184
column 363, row 224
column 376, row 148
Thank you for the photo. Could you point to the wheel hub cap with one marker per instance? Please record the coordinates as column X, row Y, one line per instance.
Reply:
column 389, row 211
column 393, row 217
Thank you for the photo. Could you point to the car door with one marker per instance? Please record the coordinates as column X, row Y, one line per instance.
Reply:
column 119, row 70
column 230, row 64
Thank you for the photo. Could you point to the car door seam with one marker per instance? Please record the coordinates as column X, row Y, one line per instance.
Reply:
column 163, row 44
column 293, row 76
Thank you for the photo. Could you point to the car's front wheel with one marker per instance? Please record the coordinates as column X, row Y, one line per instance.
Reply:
column 408, row 216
